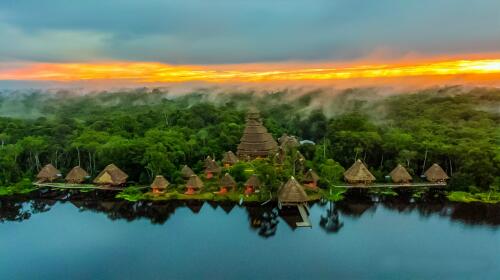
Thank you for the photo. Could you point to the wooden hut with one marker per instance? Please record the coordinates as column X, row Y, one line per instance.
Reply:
column 193, row 185
column 186, row 172
column 212, row 169
column 159, row 184
column 252, row 184
column 48, row 174
column 311, row 179
column 292, row 193
column 400, row 175
column 256, row 142
column 229, row 159
column 227, row 183
column 436, row 174
column 111, row 176
column 358, row 173
column 77, row 175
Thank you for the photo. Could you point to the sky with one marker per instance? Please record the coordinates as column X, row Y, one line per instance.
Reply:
column 47, row 40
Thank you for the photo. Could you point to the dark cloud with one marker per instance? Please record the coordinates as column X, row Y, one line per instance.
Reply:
column 231, row 31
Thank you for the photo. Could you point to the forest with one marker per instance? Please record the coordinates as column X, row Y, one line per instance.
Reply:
column 153, row 131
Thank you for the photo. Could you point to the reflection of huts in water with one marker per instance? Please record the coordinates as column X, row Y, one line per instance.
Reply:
column 256, row 142
column 354, row 208
column 252, row 184
column 400, row 175
column 358, row 174
column 186, row 172
column 194, row 205
column 212, row 169
column 229, row 159
column 263, row 218
column 292, row 193
column 331, row 221
column 436, row 174
column 111, row 176
column 77, row 175
column 291, row 217
column 193, row 185
column 48, row 174
column 227, row 183
column 311, row 179
column 227, row 206
column 159, row 184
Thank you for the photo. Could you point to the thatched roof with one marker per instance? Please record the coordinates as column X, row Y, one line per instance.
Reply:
column 358, row 173
column 253, row 181
column 229, row 158
column 187, row 172
column 435, row 173
column 77, row 175
column 212, row 167
column 289, row 142
column 228, row 181
column 311, row 176
column 256, row 141
column 207, row 161
column 194, row 182
column 292, row 192
column 48, row 173
column 160, row 182
column 400, row 175
column 111, row 175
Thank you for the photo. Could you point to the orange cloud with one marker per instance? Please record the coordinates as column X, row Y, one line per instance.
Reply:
column 472, row 70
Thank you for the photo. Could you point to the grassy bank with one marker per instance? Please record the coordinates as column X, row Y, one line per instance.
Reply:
column 484, row 197
column 22, row 187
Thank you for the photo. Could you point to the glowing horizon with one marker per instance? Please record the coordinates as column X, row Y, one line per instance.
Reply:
column 154, row 72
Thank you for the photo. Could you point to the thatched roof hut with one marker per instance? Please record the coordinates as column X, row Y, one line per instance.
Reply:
column 288, row 142
column 358, row 173
column 48, row 174
column 311, row 178
column 111, row 175
column 211, row 169
column 252, row 184
column 207, row 161
column 229, row 159
column 194, row 183
column 256, row 141
column 159, row 184
column 292, row 193
column 400, row 175
column 436, row 174
column 186, row 172
column 77, row 175
column 227, row 182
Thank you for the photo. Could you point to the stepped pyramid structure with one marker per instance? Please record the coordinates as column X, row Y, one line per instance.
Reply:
column 256, row 141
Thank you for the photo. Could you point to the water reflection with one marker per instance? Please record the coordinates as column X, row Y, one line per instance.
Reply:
column 264, row 220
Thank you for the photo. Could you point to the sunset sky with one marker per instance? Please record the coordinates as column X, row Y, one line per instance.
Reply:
column 157, row 41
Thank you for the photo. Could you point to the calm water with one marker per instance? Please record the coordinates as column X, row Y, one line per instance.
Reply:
column 93, row 237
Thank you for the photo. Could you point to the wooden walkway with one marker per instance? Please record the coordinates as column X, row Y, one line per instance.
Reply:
column 305, row 217
column 394, row 186
column 80, row 186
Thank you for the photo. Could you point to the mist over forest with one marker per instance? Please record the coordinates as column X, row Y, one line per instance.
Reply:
column 149, row 131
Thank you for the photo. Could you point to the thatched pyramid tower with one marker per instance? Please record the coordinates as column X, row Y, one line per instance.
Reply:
column 256, row 141
column 358, row 174
column 400, row 175
column 436, row 174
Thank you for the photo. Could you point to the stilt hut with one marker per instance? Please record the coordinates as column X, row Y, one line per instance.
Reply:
column 292, row 193
column 77, row 175
column 48, row 174
column 252, row 184
column 400, row 175
column 227, row 183
column 193, row 185
column 229, row 159
column 436, row 174
column 187, row 172
column 159, row 184
column 111, row 176
column 212, row 169
column 311, row 179
column 358, row 174
column 256, row 142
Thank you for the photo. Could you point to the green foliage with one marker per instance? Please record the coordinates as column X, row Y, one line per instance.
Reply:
column 485, row 197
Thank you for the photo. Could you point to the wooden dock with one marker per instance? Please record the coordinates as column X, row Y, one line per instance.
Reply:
column 80, row 186
column 305, row 217
column 394, row 186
